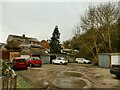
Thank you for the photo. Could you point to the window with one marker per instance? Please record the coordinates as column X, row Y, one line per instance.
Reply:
column 20, row 60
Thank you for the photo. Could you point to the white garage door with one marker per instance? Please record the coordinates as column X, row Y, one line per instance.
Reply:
column 115, row 59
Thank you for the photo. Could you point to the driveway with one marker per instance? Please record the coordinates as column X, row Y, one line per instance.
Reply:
column 72, row 75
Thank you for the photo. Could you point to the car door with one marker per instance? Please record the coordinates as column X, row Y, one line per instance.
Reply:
column 57, row 60
column 81, row 60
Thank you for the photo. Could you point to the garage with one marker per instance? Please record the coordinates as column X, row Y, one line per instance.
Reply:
column 105, row 60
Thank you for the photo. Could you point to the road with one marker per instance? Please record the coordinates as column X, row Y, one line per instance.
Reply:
column 72, row 75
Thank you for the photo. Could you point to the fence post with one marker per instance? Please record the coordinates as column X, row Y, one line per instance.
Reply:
column 9, row 83
column 3, row 82
column 15, row 84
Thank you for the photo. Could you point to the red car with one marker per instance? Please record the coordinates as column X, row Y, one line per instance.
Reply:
column 34, row 61
column 19, row 63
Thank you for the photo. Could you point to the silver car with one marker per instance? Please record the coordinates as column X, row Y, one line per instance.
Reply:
column 82, row 60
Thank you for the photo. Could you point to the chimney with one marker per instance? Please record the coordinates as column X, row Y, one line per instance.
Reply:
column 23, row 35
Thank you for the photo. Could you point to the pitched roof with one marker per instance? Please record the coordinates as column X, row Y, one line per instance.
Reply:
column 32, row 39
column 1, row 44
column 23, row 37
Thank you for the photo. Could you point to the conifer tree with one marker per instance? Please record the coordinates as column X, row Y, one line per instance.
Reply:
column 55, row 41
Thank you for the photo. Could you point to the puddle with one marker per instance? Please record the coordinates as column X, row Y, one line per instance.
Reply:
column 69, row 83
column 74, row 74
column 71, row 79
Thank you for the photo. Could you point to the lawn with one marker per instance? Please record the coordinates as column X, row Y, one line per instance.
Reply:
column 21, row 83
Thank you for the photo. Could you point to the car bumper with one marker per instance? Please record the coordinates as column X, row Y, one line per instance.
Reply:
column 60, row 63
column 37, row 64
column 20, row 67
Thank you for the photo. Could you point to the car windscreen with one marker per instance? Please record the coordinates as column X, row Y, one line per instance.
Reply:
column 36, row 58
column 59, row 59
column 79, row 59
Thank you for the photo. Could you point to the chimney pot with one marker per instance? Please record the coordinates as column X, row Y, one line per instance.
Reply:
column 23, row 35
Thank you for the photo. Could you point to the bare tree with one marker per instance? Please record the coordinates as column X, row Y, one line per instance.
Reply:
column 99, row 25
column 107, row 16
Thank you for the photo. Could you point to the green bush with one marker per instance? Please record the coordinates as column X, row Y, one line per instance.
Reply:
column 6, row 70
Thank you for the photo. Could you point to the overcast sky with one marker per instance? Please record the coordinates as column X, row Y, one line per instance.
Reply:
column 38, row 19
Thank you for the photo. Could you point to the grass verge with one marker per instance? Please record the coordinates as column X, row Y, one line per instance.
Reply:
column 21, row 83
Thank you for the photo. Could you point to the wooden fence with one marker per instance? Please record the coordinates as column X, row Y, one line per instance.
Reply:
column 9, row 83
column 9, row 78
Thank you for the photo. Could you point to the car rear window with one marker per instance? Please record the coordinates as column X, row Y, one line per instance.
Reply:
column 20, row 60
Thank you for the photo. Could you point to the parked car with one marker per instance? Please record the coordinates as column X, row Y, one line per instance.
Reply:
column 60, row 60
column 115, row 69
column 34, row 61
column 19, row 63
column 82, row 60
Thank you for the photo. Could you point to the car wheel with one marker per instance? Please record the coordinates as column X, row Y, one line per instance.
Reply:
column 84, row 62
column 26, row 68
column 40, row 65
column 76, row 62
column 30, row 65
column 118, row 76
column 89, row 62
column 61, row 63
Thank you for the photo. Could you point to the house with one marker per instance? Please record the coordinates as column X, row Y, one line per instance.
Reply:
column 25, row 45
column 7, row 54
column 1, row 49
column 22, row 39
column 2, row 46
column 105, row 60
column 70, row 54
column 30, row 49
column 45, row 56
